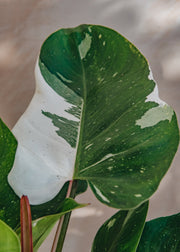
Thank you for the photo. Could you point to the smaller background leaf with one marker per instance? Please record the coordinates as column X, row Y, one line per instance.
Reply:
column 42, row 226
column 9, row 240
column 121, row 233
column 161, row 235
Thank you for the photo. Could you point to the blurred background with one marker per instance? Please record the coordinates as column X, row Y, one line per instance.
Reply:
column 152, row 25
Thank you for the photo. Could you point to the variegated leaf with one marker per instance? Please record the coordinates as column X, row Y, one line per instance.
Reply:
column 95, row 116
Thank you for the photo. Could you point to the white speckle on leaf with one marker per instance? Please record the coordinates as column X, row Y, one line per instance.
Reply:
column 138, row 195
column 110, row 168
column 89, row 29
column 84, row 46
column 114, row 75
column 34, row 223
column 63, row 78
column 100, row 36
column 100, row 194
column 87, row 147
column 116, row 186
column 154, row 116
column 107, row 139
column 112, row 192
column 104, row 43
column 111, row 223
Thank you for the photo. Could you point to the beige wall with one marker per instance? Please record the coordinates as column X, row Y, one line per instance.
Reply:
column 153, row 26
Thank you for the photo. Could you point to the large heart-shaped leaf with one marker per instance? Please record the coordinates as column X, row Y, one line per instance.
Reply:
column 96, row 116
column 161, row 235
column 122, row 232
column 9, row 240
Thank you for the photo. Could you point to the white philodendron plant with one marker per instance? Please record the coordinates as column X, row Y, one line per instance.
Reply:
column 96, row 118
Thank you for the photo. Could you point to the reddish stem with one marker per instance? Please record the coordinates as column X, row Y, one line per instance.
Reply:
column 26, row 225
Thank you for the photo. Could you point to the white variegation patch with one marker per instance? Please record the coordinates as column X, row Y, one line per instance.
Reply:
column 44, row 161
column 84, row 46
column 150, row 76
column 154, row 97
column 154, row 116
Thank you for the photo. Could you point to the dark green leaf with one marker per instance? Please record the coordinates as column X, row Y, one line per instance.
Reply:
column 121, row 233
column 128, row 136
column 9, row 202
column 161, row 235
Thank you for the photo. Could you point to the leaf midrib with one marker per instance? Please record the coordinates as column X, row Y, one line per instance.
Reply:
column 81, row 127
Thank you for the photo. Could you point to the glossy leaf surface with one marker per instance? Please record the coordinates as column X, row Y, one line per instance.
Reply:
column 96, row 116
column 9, row 201
column 161, row 235
column 122, row 232
column 9, row 240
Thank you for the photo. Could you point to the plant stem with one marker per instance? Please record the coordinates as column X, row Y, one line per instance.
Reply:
column 66, row 219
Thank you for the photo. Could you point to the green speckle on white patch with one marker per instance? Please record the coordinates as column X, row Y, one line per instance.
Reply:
column 101, row 195
column 85, row 46
column 111, row 223
column 138, row 195
column 154, row 116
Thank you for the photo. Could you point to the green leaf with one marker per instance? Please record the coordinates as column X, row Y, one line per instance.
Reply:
column 161, row 235
column 9, row 201
column 96, row 116
column 42, row 226
column 9, row 240
column 122, row 232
